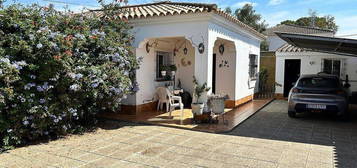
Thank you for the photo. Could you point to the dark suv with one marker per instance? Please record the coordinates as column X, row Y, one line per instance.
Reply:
column 320, row 92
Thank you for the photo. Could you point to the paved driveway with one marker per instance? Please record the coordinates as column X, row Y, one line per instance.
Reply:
column 268, row 139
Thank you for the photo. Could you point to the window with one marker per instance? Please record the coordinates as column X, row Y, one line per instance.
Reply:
column 253, row 66
column 317, row 82
column 332, row 66
column 162, row 59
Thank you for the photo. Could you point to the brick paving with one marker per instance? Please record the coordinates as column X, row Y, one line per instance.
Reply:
column 267, row 139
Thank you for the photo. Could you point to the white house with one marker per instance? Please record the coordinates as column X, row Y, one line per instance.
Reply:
column 320, row 54
column 291, row 62
column 190, row 35
column 276, row 42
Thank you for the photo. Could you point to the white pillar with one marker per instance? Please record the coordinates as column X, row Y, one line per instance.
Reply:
column 204, row 61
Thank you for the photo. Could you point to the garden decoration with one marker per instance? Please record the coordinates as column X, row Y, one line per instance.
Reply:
column 163, row 70
column 173, row 69
column 199, row 90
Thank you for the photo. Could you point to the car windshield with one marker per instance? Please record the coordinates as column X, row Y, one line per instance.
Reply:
column 318, row 82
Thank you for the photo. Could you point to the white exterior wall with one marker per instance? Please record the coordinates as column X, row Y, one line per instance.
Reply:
column 225, row 81
column 190, row 27
column 245, row 44
column 199, row 28
column 311, row 63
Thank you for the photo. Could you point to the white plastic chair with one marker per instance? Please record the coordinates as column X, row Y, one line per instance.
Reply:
column 164, row 96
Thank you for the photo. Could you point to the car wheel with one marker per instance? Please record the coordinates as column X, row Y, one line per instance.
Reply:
column 292, row 114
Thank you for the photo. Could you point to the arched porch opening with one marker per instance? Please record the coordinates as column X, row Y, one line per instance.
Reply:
column 224, row 68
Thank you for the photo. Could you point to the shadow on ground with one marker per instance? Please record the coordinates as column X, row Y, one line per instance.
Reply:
column 273, row 123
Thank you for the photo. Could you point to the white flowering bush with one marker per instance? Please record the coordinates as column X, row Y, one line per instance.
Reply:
column 57, row 70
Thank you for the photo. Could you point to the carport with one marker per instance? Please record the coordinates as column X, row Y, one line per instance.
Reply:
column 313, row 51
column 342, row 46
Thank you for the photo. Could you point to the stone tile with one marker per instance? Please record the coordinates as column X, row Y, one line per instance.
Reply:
column 267, row 139
column 90, row 157
column 319, row 165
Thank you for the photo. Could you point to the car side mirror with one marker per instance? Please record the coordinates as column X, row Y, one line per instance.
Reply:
column 293, row 84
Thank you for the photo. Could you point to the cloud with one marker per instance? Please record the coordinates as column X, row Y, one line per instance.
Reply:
column 275, row 2
column 242, row 3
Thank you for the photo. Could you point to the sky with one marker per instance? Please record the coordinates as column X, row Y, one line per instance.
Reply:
column 273, row 11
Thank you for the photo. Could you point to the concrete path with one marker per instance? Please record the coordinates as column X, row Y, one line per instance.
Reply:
column 268, row 139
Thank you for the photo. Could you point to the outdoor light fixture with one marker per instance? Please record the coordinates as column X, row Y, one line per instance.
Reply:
column 185, row 51
column 221, row 49
column 201, row 48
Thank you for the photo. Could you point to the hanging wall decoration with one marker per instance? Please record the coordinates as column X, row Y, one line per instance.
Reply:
column 224, row 63
column 148, row 46
column 175, row 50
column 221, row 49
column 201, row 48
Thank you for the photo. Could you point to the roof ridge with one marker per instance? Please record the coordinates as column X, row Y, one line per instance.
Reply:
column 189, row 6
column 309, row 27
column 209, row 5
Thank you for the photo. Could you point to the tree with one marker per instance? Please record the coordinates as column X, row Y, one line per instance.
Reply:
column 247, row 15
column 228, row 10
column 324, row 22
column 59, row 69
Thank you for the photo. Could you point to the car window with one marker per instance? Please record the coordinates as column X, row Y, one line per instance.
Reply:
column 317, row 82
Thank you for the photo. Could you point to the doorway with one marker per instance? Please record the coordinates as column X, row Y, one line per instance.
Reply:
column 292, row 74
column 214, row 64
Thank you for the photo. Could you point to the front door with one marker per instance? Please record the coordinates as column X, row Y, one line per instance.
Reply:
column 292, row 74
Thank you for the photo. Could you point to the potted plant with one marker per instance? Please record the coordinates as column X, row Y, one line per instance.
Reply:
column 173, row 69
column 198, row 105
column 163, row 70
column 216, row 103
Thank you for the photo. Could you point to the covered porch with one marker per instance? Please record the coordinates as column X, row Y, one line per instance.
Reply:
column 233, row 117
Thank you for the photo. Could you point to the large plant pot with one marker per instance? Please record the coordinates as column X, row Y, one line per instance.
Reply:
column 217, row 105
column 197, row 108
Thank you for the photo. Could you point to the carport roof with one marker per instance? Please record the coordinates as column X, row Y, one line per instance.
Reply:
column 333, row 45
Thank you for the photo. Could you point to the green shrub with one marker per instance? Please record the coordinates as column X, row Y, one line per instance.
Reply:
column 57, row 70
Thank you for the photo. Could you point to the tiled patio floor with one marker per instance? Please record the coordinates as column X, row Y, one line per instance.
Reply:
column 233, row 116
column 269, row 139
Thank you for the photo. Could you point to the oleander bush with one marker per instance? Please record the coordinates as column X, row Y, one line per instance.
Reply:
column 59, row 69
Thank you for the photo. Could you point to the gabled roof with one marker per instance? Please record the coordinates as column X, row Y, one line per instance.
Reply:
column 167, row 8
column 286, row 28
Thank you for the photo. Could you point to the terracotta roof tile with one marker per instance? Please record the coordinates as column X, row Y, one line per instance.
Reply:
column 285, row 28
column 167, row 8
